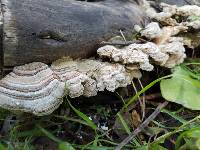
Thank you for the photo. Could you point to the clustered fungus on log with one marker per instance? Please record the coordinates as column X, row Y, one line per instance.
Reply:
column 38, row 88
column 166, row 52
column 182, row 22
column 88, row 76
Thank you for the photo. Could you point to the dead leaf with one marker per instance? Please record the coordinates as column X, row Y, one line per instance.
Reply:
column 136, row 119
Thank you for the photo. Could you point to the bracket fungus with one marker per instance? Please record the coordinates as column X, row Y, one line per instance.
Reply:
column 88, row 76
column 183, row 21
column 167, row 55
column 164, row 45
column 37, row 88
column 31, row 88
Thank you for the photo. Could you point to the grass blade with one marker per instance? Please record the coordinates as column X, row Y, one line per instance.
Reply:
column 172, row 114
column 49, row 135
column 124, row 123
column 135, row 97
column 83, row 116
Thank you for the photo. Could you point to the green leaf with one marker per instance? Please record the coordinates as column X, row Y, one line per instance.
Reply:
column 143, row 147
column 95, row 142
column 2, row 147
column 182, row 88
column 65, row 146
column 193, row 134
column 156, row 147
column 83, row 116
column 198, row 143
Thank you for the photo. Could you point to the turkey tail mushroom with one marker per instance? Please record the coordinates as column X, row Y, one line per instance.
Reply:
column 38, row 89
column 87, row 77
column 31, row 88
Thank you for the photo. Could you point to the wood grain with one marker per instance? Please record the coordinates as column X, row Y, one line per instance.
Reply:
column 45, row 30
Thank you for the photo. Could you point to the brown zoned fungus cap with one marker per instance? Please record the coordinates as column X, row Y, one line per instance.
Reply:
column 31, row 88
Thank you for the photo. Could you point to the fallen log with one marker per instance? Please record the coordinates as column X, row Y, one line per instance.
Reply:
column 45, row 30
column 179, row 2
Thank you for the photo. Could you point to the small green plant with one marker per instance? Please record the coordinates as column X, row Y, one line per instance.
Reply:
column 183, row 88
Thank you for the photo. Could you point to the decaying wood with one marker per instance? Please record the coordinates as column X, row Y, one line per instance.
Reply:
column 45, row 30
column 179, row 2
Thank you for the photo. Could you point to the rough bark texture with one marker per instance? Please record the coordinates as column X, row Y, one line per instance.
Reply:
column 45, row 30
column 179, row 2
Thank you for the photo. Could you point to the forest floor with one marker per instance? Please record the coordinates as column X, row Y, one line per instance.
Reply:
column 108, row 121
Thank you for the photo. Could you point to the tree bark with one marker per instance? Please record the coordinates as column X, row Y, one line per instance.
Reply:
column 179, row 2
column 45, row 30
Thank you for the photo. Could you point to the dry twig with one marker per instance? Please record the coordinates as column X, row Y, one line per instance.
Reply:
column 142, row 126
